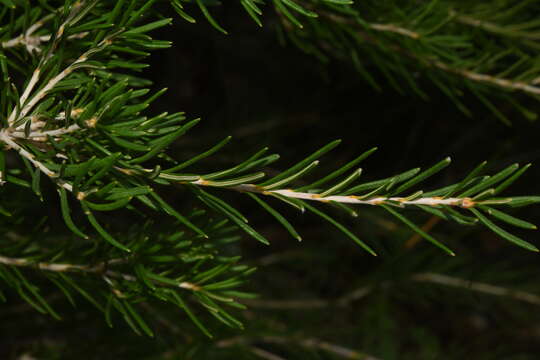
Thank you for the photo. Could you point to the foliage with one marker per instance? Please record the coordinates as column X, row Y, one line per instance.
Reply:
column 79, row 138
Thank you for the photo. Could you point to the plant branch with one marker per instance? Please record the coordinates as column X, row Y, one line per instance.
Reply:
column 6, row 138
column 101, row 268
column 476, row 286
column 30, row 42
column 27, row 106
column 468, row 74
column 465, row 202
column 309, row 343
column 426, row 277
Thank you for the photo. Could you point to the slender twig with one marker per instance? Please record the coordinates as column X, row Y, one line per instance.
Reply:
column 53, row 266
column 43, row 135
column 101, row 268
column 395, row 29
column 310, row 304
column 4, row 137
column 494, row 28
column 465, row 202
column 476, row 286
column 309, row 343
column 10, row 135
column 264, row 354
column 51, row 84
column 27, row 106
column 527, row 87
column 427, row 277
column 478, row 77
column 30, row 42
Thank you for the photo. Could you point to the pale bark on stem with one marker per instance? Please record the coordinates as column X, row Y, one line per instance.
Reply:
column 465, row 202
column 6, row 138
column 527, row 87
column 27, row 40
column 26, row 107
column 485, row 78
column 32, row 43
column 42, row 135
column 100, row 268
column 395, row 29
column 495, row 28
column 42, row 92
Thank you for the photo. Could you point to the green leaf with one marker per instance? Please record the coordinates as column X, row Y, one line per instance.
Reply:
column 419, row 231
column 253, row 11
column 467, row 179
column 236, row 181
column 291, row 178
column 299, row 8
column 178, row 300
column 490, row 181
column 115, row 205
column 201, row 156
column 282, row 9
column 138, row 318
column 93, row 221
column 518, row 201
column 36, row 180
column 148, row 27
column 34, row 290
column 511, row 179
column 82, row 291
column 65, row 291
column 106, row 165
column 287, row 225
column 343, row 169
column 222, row 203
column 209, row 17
column 302, row 164
column 503, row 233
column 508, row 218
column 296, row 203
column 66, row 214
column 118, row 304
column 336, row 188
column 340, row 227
column 169, row 210
column 9, row 3
column 123, row 193
column 236, row 169
column 163, row 142
column 422, row 176
column 383, row 182
column 177, row 5
column 231, row 213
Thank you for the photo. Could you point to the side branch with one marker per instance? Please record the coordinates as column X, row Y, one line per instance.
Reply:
column 465, row 202
column 527, row 87
column 100, row 269
column 6, row 138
